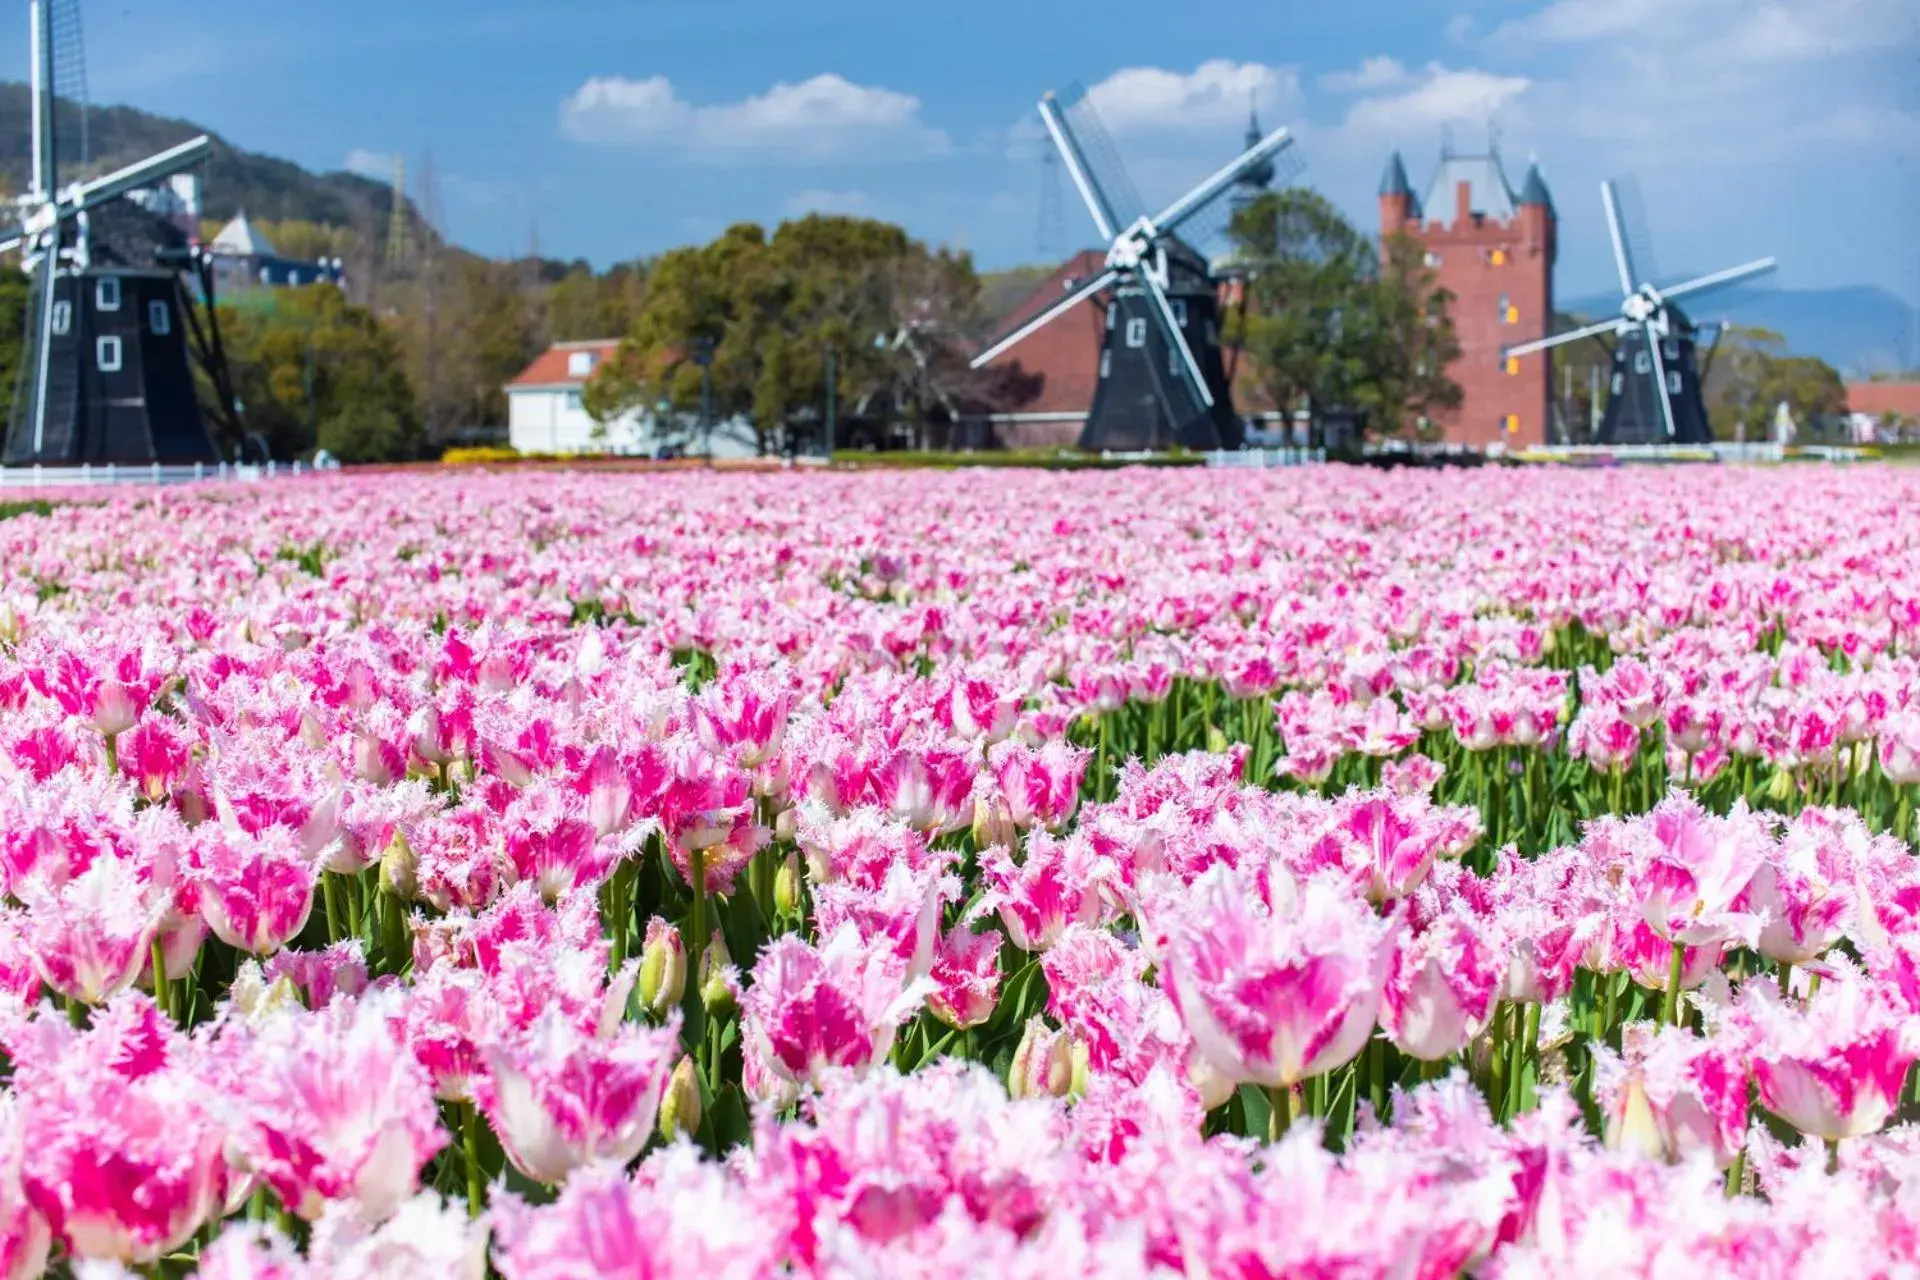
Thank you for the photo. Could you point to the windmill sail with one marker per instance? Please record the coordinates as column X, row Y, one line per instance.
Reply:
column 1109, row 176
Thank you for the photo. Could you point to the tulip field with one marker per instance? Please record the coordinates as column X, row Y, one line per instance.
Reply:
column 1328, row 873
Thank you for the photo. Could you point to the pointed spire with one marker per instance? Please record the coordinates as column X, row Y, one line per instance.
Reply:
column 1534, row 189
column 1394, row 181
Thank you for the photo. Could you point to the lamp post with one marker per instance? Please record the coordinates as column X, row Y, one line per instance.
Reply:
column 832, row 408
column 703, row 356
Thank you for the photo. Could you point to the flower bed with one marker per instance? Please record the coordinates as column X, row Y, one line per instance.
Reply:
column 918, row 873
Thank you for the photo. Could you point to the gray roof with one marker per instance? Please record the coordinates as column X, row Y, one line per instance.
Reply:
column 1487, row 191
column 1394, row 181
column 1534, row 189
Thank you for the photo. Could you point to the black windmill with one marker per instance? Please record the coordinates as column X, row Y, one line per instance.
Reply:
column 1655, row 387
column 1161, row 379
column 105, row 376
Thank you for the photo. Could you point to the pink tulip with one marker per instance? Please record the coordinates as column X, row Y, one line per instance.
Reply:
column 24, row 1234
column 559, row 1099
column 1441, row 986
column 256, row 891
column 1834, row 1069
column 1670, row 1095
column 1059, row 883
column 1275, row 986
column 91, row 937
column 330, row 1105
column 1041, row 788
column 810, row 1010
column 965, row 976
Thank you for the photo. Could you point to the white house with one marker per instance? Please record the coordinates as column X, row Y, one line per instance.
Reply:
column 546, row 414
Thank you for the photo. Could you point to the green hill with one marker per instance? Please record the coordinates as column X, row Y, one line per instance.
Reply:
column 265, row 186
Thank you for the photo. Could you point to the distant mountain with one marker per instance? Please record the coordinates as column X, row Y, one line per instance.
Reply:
column 233, row 179
column 1859, row 330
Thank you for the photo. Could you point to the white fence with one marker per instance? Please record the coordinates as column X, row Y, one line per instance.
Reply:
column 1263, row 458
column 87, row 475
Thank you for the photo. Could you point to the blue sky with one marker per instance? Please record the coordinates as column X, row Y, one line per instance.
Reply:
column 1789, row 127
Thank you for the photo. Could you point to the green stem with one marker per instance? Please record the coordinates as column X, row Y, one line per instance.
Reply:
column 354, row 913
column 470, row 1144
column 113, row 754
column 1670, row 998
column 1281, row 1100
column 697, row 944
column 1737, row 1175
column 1786, row 976
column 330, row 889
column 160, row 977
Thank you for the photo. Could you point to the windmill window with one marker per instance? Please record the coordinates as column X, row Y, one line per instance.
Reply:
column 1180, row 312
column 1673, row 381
column 1136, row 332
column 1619, row 383
column 106, row 354
column 1642, row 362
column 62, row 317
column 160, row 317
column 106, row 294
column 1671, row 349
column 1106, row 363
column 1110, row 314
column 1174, row 365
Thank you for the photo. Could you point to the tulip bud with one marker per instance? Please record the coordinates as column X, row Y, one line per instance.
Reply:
column 399, row 867
column 680, row 1104
column 992, row 824
column 715, row 993
column 663, row 968
column 1043, row 1064
column 9, row 624
column 786, row 886
column 786, row 823
column 1780, row 785
column 1632, row 1126
column 1082, row 1064
column 1216, row 740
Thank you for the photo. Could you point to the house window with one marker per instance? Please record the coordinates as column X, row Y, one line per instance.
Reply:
column 1433, row 259
column 106, row 294
column 160, row 317
column 62, row 317
column 573, row 399
column 1136, row 332
column 1180, row 312
column 1506, row 304
column 1106, row 363
column 579, row 364
column 106, row 354
column 1642, row 362
column 1673, row 381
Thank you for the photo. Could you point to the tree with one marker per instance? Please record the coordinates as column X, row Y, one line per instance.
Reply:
column 582, row 305
column 1410, row 345
column 15, row 297
column 1752, row 375
column 1332, row 321
column 773, row 307
column 312, row 370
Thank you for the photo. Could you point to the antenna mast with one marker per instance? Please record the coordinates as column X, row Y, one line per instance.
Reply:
column 397, row 220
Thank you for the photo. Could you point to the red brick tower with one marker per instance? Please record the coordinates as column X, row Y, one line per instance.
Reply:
column 1493, row 249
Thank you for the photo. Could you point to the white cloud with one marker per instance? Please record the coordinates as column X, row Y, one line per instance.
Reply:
column 1723, row 32
column 817, row 200
column 371, row 164
column 1437, row 97
column 1215, row 95
column 825, row 118
column 1372, row 73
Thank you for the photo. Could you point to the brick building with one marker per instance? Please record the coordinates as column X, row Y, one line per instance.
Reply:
column 1493, row 249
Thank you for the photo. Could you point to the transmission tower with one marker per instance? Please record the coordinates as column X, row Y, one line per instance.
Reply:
column 397, row 221
column 1052, row 237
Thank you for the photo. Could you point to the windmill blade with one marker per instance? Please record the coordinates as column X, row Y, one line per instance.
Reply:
column 1561, row 339
column 89, row 195
column 1660, row 381
column 11, row 244
column 43, row 341
column 1101, row 157
column 1759, row 266
column 1066, row 304
column 1614, row 229
column 1178, row 340
column 1192, row 202
column 1069, row 147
